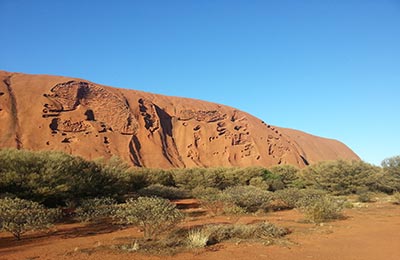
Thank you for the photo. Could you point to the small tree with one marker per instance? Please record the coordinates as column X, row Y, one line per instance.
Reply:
column 18, row 216
column 391, row 173
column 154, row 215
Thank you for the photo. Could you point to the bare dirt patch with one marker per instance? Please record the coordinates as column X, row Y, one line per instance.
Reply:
column 367, row 233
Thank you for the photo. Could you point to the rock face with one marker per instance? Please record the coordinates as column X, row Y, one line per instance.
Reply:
column 39, row 112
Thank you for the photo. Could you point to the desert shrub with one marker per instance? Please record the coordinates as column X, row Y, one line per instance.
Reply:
column 364, row 196
column 288, row 197
column 259, row 182
column 95, row 209
column 245, row 175
column 210, row 198
column 265, row 230
column 297, row 198
column 134, row 180
column 250, row 198
column 158, row 176
column 18, row 216
column 181, row 239
column 232, row 209
column 172, row 243
column 392, row 165
column 286, row 176
column 220, row 178
column 391, row 174
column 309, row 197
column 153, row 215
column 323, row 209
column 189, row 179
column 341, row 177
column 52, row 177
column 166, row 192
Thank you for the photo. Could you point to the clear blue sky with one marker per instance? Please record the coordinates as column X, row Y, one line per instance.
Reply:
column 330, row 68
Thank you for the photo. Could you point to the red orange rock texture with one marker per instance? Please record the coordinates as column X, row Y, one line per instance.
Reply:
column 41, row 112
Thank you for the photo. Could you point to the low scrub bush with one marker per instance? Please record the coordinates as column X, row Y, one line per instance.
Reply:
column 249, row 198
column 365, row 197
column 18, row 216
column 309, row 197
column 288, row 197
column 396, row 197
column 232, row 209
column 283, row 176
column 211, row 199
column 323, row 209
column 95, row 209
column 154, row 215
column 341, row 177
column 220, row 178
column 391, row 174
column 264, row 230
column 166, row 192
column 182, row 239
column 51, row 178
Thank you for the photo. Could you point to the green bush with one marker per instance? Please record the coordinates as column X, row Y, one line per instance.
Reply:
column 283, row 176
column 364, row 197
column 391, row 174
column 219, row 178
column 210, row 198
column 288, row 197
column 95, row 209
column 52, row 178
column 324, row 209
column 341, row 177
column 162, row 191
column 309, row 197
column 153, row 215
column 297, row 198
column 250, row 198
column 158, row 176
column 18, row 216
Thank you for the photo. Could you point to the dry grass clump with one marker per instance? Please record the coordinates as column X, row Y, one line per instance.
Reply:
column 258, row 231
column 197, row 238
column 182, row 239
column 396, row 197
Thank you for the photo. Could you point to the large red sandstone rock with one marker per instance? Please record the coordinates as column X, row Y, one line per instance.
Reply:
column 39, row 112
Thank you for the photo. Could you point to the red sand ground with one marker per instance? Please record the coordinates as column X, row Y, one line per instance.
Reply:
column 369, row 233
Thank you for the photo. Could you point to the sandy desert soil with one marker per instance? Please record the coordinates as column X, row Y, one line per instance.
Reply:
column 370, row 232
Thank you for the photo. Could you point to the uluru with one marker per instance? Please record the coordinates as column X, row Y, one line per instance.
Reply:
column 79, row 117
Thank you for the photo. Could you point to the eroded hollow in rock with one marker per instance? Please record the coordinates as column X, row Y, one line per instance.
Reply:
column 89, row 115
column 54, row 124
